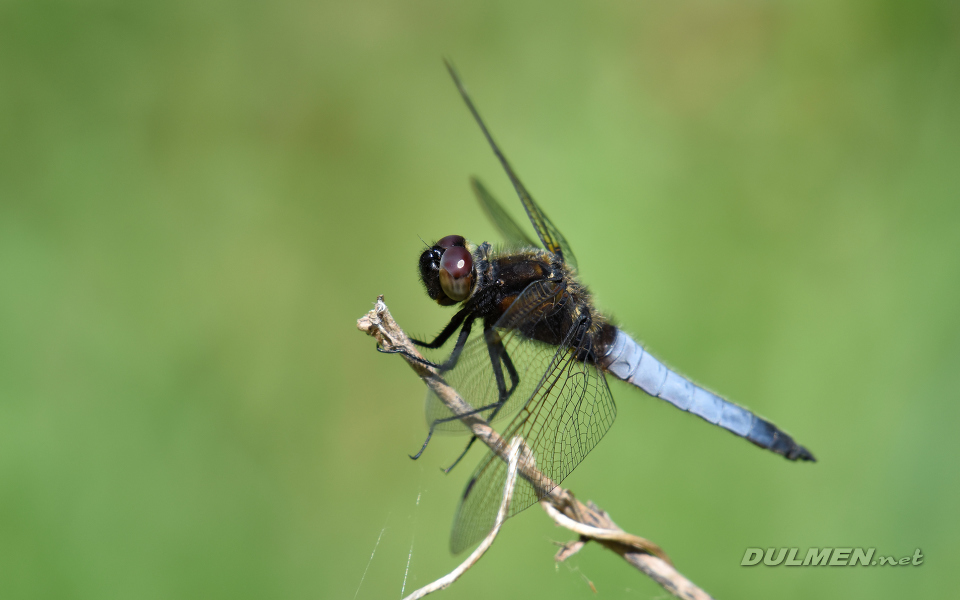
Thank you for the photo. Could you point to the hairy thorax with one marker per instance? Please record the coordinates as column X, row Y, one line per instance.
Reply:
column 536, row 281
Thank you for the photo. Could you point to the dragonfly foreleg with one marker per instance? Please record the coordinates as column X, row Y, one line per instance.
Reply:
column 408, row 356
column 448, row 330
column 454, row 356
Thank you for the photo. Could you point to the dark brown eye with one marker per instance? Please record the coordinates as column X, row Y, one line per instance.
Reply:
column 456, row 272
column 452, row 240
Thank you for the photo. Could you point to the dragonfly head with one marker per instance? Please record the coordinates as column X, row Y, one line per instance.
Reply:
column 447, row 270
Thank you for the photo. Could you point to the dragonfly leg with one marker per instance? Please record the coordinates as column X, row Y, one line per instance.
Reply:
column 473, row 438
column 408, row 356
column 498, row 354
column 436, row 422
column 496, row 350
column 424, row 447
column 451, row 362
column 454, row 356
column 448, row 330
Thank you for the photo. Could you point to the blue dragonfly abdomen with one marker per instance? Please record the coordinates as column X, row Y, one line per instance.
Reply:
column 627, row 360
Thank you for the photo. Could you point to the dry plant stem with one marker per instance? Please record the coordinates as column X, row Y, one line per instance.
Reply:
column 596, row 533
column 635, row 550
column 515, row 446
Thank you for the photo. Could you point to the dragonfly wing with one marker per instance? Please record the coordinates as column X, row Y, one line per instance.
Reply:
column 553, row 240
column 493, row 358
column 508, row 228
column 568, row 411
column 479, row 372
column 551, row 237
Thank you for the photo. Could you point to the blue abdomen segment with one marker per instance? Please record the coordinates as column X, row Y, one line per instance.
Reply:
column 627, row 360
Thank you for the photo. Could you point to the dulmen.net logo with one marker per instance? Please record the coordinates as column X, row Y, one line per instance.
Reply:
column 826, row 557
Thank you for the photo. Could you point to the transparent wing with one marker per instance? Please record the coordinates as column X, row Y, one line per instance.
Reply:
column 511, row 232
column 475, row 377
column 551, row 237
column 499, row 360
column 568, row 412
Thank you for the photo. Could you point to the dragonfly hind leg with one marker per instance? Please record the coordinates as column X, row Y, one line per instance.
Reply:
column 436, row 422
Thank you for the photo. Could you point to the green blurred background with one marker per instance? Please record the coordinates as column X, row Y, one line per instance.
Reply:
column 199, row 199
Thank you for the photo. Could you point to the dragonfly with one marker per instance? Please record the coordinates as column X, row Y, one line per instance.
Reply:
column 529, row 341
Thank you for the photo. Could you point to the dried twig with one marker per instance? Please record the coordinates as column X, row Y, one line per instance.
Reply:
column 642, row 554
column 597, row 533
column 446, row 580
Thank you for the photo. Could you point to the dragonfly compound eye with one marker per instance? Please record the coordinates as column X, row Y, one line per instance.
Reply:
column 452, row 240
column 456, row 272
